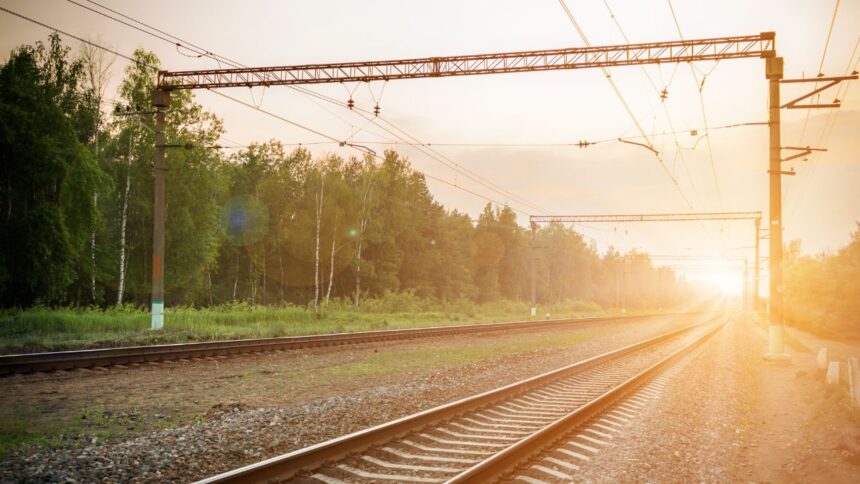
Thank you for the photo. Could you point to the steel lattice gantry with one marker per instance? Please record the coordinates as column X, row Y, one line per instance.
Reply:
column 654, row 217
column 534, row 220
column 762, row 45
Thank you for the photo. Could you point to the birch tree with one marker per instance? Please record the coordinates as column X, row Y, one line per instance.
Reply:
column 98, row 65
column 366, row 197
column 319, row 211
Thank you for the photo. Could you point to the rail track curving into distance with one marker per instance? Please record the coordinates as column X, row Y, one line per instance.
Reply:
column 500, row 433
column 69, row 360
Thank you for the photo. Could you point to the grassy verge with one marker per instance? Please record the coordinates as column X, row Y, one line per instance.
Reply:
column 427, row 359
column 92, row 425
column 77, row 422
column 46, row 329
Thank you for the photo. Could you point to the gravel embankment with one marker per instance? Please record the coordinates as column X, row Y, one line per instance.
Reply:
column 728, row 416
column 232, row 433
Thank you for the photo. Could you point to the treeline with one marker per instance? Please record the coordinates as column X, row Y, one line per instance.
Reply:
column 261, row 225
column 822, row 293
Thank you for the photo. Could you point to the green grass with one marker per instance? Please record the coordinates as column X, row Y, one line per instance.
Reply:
column 48, row 329
column 91, row 425
column 420, row 360
column 75, row 423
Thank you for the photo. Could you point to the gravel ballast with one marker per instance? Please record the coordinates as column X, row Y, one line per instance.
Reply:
column 251, row 420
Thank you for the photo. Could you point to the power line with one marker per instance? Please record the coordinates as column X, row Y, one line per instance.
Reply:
column 579, row 144
column 447, row 161
column 821, row 66
column 830, row 122
column 700, row 87
column 204, row 52
column 827, row 40
column 662, row 94
column 357, row 146
column 85, row 41
column 626, row 106
column 424, row 148
column 174, row 40
column 319, row 133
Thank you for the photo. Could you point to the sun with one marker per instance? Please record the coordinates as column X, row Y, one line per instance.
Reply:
column 726, row 281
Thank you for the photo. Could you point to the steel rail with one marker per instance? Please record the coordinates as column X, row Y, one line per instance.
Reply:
column 68, row 360
column 288, row 465
column 500, row 464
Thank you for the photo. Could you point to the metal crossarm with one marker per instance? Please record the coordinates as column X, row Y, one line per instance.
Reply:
column 655, row 217
column 749, row 46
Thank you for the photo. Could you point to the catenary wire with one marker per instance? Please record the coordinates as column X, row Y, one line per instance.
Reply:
column 700, row 87
column 319, row 133
column 661, row 95
column 627, row 107
column 204, row 52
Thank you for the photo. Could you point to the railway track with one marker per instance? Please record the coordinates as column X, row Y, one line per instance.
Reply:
column 485, row 437
column 69, row 360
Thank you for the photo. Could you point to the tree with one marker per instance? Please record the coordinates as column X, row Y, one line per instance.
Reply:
column 48, row 175
column 97, row 73
column 194, row 187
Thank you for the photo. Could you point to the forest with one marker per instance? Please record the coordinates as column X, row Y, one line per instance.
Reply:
column 822, row 292
column 263, row 225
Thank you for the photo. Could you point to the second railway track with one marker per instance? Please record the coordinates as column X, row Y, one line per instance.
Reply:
column 484, row 437
column 69, row 360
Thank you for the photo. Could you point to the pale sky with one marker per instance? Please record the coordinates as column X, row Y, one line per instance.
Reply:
column 821, row 203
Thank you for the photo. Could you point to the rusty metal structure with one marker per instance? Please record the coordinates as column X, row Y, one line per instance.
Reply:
column 534, row 220
column 762, row 45
column 646, row 217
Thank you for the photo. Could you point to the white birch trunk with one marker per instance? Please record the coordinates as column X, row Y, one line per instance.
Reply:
column 368, row 187
column 123, row 223
column 93, row 251
column 263, row 294
column 97, row 64
column 317, row 251
column 236, row 279
column 283, row 276
column 331, row 263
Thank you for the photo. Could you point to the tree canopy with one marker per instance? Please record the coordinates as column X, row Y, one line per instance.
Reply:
column 263, row 224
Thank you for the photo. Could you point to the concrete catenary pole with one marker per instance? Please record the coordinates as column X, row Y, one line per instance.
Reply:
column 533, row 271
column 756, row 269
column 160, row 100
column 773, row 69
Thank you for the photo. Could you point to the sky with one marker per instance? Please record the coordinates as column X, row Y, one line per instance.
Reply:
column 480, row 114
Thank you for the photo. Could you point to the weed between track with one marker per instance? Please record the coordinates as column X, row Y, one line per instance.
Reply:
column 45, row 329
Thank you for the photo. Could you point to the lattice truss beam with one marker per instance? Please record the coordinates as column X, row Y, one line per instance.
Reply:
column 762, row 45
column 654, row 217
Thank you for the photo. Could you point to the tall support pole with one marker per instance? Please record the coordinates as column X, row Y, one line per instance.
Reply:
column 160, row 100
column 746, row 300
column 624, row 283
column 776, row 347
column 756, row 269
column 533, row 271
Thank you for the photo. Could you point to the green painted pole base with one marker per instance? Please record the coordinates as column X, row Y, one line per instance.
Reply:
column 157, row 315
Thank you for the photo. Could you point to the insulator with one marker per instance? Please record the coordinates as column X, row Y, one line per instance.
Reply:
column 350, row 104
column 376, row 110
